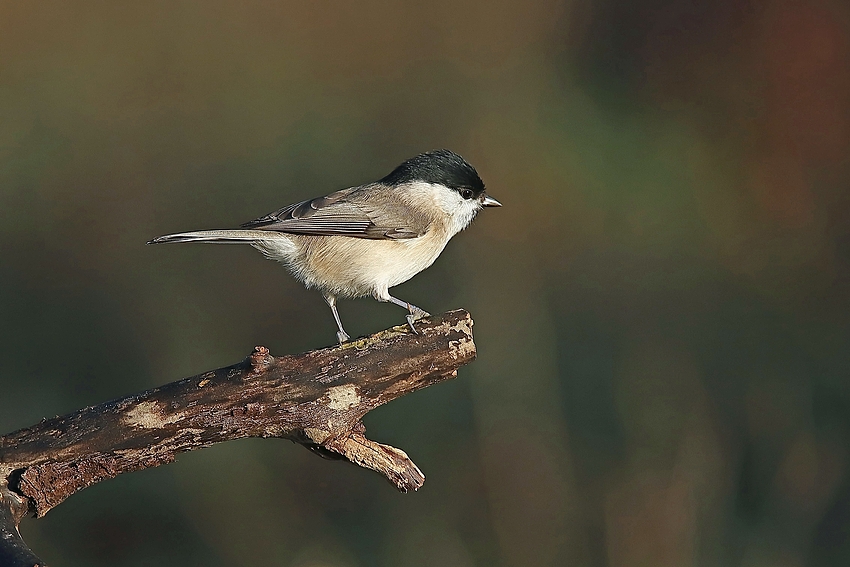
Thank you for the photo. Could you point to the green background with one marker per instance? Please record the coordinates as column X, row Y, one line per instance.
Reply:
column 662, row 306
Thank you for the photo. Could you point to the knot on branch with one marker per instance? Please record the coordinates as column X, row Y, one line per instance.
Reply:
column 260, row 360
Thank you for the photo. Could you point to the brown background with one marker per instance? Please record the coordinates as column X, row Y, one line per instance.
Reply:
column 661, row 307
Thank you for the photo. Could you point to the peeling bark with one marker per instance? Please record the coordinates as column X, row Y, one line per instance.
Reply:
column 317, row 399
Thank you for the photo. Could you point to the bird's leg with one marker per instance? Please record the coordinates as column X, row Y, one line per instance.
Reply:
column 414, row 312
column 341, row 335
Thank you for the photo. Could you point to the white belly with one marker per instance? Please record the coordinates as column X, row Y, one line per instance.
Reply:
column 354, row 267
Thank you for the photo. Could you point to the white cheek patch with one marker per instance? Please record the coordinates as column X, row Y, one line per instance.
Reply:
column 465, row 213
column 429, row 195
column 459, row 210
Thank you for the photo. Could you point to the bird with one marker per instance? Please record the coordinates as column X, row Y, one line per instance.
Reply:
column 364, row 240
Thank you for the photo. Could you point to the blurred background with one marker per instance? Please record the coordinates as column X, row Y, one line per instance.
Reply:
column 661, row 306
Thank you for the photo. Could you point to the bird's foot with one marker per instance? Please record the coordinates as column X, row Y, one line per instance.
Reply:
column 415, row 315
column 419, row 314
column 342, row 336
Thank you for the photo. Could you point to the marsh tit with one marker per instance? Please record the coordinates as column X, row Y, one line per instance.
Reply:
column 364, row 240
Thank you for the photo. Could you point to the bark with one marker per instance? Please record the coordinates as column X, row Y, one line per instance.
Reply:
column 317, row 399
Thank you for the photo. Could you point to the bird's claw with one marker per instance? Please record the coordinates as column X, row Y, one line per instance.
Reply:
column 342, row 336
column 415, row 315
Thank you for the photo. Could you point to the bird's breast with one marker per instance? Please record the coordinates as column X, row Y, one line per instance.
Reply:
column 356, row 267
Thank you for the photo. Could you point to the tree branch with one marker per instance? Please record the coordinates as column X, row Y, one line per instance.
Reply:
column 317, row 399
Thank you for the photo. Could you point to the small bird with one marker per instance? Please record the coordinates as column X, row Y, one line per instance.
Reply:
column 366, row 239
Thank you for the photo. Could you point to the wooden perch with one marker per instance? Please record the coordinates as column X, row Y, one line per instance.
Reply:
column 317, row 399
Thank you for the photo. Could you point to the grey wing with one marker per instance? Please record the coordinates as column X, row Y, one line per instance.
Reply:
column 348, row 212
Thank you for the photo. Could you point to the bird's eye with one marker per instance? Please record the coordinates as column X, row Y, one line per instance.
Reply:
column 466, row 193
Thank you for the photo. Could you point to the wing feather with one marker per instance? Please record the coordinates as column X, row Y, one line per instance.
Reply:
column 350, row 212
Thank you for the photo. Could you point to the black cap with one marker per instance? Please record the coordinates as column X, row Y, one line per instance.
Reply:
column 437, row 166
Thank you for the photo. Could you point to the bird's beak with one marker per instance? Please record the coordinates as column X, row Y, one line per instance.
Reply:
column 490, row 202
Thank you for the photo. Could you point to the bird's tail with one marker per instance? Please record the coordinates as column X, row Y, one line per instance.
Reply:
column 232, row 236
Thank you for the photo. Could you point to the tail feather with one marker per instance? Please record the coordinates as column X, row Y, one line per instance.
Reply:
column 233, row 236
